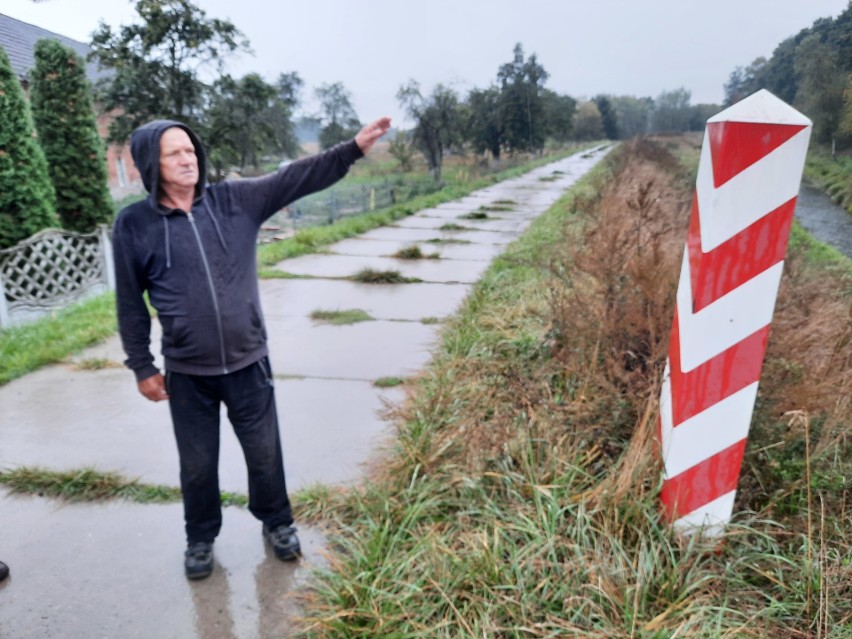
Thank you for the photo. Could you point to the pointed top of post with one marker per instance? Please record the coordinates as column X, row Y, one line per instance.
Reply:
column 749, row 131
column 764, row 107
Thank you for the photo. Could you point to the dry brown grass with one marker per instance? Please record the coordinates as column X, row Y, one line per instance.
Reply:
column 809, row 357
column 613, row 286
column 572, row 373
column 806, row 379
column 612, row 293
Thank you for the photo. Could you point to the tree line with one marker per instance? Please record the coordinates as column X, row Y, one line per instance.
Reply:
column 170, row 64
column 811, row 70
column 157, row 65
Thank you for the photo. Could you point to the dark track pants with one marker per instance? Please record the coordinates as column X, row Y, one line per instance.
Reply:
column 249, row 397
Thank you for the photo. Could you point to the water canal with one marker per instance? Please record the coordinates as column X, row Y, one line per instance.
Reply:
column 824, row 219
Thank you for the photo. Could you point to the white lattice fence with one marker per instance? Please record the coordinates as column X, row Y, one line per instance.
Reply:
column 51, row 269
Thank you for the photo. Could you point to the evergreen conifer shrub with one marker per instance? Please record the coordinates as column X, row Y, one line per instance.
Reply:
column 26, row 194
column 67, row 131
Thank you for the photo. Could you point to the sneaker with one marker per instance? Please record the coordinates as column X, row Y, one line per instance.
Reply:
column 198, row 560
column 284, row 542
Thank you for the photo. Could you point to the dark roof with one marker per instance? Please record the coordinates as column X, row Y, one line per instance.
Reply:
column 19, row 40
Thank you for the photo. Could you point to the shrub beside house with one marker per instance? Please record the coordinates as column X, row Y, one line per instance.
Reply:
column 19, row 40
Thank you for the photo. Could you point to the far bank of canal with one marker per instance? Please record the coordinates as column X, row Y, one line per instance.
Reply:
column 824, row 219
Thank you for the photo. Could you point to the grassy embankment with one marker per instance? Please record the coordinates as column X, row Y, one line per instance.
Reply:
column 521, row 497
column 52, row 339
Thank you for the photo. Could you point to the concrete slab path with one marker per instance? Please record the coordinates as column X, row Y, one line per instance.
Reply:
column 115, row 569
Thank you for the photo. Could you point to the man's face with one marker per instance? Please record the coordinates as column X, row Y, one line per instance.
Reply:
column 178, row 164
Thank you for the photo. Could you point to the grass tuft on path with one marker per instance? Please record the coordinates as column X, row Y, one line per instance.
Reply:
column 415, row 253
column 88, row 484
column 373, row 276
column 341, row 317
column 85, row 484
column 388, row 382
column 439, row 240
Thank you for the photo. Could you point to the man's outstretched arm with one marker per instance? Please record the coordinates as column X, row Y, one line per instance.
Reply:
column 263, row 196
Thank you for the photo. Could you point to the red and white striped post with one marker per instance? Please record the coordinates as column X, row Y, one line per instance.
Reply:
column 748, row 180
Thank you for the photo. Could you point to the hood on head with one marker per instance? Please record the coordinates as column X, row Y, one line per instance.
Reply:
column 145, row 149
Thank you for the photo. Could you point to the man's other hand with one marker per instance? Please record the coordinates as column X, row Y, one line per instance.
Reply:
column 367, row 136
column 154, row 388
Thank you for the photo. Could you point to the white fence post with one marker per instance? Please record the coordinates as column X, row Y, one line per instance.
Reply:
column 4, row 307
column 106, row 255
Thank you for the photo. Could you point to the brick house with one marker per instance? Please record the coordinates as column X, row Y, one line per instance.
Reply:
column 19, row 39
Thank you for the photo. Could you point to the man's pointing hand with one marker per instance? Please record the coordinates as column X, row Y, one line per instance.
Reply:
column 367, row 136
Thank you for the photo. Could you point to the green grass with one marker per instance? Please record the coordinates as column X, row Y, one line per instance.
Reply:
column 52, row 339
column 91, row 485
column 555, row 175
column 475, row 215
column 85, row 484
column 341, row 317
column 415, row 253
column 439, row 240
column 818, row 253
column 277, row 274
column 831, row 175
column 455, row 227
column 496, row 207
column 373, row 276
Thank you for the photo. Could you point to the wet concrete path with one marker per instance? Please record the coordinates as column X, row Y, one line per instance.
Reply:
column 115, row 569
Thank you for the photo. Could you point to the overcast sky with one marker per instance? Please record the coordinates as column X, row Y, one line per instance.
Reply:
column 622, row 47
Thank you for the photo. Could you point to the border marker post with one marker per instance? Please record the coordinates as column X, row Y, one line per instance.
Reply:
column 748, row 181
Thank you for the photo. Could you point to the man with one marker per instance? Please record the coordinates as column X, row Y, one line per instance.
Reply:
column 191, row 247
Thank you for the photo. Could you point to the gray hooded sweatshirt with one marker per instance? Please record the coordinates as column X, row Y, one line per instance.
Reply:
column 199, row 266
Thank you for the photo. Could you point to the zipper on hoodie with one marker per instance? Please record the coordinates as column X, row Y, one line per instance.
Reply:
column 212, row 291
